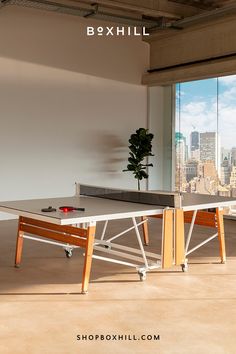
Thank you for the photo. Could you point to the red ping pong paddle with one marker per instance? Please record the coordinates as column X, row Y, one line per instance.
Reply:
column 67, row 209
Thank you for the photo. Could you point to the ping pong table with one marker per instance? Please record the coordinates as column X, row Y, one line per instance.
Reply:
column 204, row 210
column 77, row 228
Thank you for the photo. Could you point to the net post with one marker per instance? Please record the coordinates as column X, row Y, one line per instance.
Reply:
column 178, row 200
column 77, row 188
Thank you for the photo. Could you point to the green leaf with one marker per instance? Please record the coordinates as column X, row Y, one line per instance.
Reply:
column 131, row 167
column 140, row 148
column 144, row 174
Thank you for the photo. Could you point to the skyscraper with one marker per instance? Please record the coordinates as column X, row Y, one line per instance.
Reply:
column 194, row 146
column 225, row 172
column 208, row 147
column 191, row 170
column 233, row 177
column 181, row 155
column 181, row 148
column 225, row 154
column 194, row 141
column 233, row 156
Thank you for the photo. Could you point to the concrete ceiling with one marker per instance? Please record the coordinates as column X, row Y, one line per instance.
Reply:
column 153, row 14
column 205, row 4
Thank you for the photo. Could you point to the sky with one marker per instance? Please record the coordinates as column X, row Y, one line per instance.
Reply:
column 198, row 109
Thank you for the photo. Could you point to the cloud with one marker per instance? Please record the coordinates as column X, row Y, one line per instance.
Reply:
column 180, row 93
column 197, row 115
column 194, row 107
column 228, row 96
column 202, row 116
column 227, row 80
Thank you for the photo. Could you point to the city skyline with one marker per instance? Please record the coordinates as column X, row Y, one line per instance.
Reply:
column 222, row 151
column 207, row 105
column 204, row 169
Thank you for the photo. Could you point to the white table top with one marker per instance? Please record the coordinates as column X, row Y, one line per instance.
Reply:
column 194, row 201
column 100, row 209
column 96, row 209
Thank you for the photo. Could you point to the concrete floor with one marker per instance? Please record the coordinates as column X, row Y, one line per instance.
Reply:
column 42, row 311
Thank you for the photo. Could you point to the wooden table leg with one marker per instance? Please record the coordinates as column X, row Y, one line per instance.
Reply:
column 19, row 245
column 88, row 258
column 167, row 238
column 221, row 234
column 179, row 237
column 82, row 237
column 145, row 230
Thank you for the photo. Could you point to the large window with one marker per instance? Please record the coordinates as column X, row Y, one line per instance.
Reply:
column 205, row 136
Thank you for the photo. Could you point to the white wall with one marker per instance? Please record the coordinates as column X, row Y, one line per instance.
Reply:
column 60, row 41
column 67, row 110
column 161, row 124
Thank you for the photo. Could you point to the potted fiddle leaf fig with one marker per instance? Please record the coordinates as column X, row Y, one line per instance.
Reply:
column 140, row 148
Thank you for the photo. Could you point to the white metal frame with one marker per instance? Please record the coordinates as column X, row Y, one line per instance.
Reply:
column 190, row 232
column 133, row 257
column 139, row 256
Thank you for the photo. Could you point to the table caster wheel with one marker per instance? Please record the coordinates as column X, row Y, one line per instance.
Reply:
column 142, row 276
column 68, row 253
column 184, row 267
